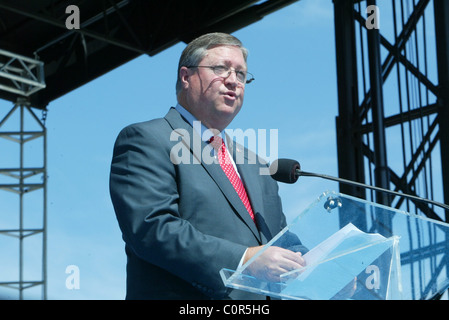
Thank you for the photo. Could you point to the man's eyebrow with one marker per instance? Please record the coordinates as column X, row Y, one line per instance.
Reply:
column 229, row 63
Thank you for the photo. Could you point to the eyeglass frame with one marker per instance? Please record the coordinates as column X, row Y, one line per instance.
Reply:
column 229, row 70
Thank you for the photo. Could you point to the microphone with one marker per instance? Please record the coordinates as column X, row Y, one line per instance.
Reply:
column 288, row 171
column 285, row 170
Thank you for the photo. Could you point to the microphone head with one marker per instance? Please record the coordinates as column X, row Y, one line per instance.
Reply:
column 284, row 170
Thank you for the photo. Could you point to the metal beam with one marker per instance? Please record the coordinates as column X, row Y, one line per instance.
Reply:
column 85, row 32
column 381, row 172
column 21, row 75
column 17, row 181
column 441, row 10
column 349, row 140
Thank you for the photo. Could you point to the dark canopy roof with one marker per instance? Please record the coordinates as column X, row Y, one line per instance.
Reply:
column 111, row 33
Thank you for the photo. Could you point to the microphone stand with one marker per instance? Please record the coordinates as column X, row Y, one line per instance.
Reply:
column 300, row 173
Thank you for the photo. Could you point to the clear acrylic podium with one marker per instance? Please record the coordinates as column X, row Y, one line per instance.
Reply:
column 355, row 249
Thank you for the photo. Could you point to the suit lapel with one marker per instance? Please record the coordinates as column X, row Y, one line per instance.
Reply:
column 193, row 141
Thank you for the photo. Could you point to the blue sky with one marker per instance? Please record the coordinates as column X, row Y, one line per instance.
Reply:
column 292, row 56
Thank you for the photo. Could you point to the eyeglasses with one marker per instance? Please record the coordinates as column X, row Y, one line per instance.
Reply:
column 225, row 71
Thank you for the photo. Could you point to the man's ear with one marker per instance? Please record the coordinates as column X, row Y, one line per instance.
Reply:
column 184, row 75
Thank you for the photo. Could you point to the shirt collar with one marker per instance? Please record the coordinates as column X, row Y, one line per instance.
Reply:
column 197, row 125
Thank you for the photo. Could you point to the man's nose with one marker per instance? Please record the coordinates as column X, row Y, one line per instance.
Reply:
column 231, row 78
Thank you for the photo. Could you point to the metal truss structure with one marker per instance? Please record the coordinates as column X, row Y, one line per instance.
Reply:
column 23, row 175
column 20, row 75
column 393, row 122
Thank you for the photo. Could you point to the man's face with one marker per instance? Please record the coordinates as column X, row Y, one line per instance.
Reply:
column 212, row 99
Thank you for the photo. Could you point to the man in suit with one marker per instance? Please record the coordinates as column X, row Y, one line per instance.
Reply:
column 181, row 217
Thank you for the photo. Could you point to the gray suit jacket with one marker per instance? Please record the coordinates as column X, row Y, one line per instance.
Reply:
column 182, row 223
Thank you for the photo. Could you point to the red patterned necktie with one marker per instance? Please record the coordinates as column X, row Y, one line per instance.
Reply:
column 226, row 164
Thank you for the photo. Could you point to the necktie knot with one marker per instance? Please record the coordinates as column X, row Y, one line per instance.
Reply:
column 216, row 142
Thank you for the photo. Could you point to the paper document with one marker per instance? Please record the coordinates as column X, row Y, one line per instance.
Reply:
column 335, row 262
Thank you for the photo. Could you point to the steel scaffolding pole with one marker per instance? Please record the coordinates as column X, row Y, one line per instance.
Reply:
column 381, row 173
column 27, row 226
column 441, row 9
column 349, row 143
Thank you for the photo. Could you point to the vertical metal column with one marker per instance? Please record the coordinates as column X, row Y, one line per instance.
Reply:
column 27, row 226
column 441, row 8
column 381, row 175
column 381, row 170
column 349, row 143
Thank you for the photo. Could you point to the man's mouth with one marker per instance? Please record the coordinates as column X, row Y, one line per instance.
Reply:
column 230, row 95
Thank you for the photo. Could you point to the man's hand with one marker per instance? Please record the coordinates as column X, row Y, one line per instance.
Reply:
column 273, row 262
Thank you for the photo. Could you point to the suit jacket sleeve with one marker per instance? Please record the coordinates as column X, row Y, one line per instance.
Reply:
column 143, row 187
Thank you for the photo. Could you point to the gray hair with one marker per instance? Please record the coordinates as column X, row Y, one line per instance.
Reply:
column 196, row 50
